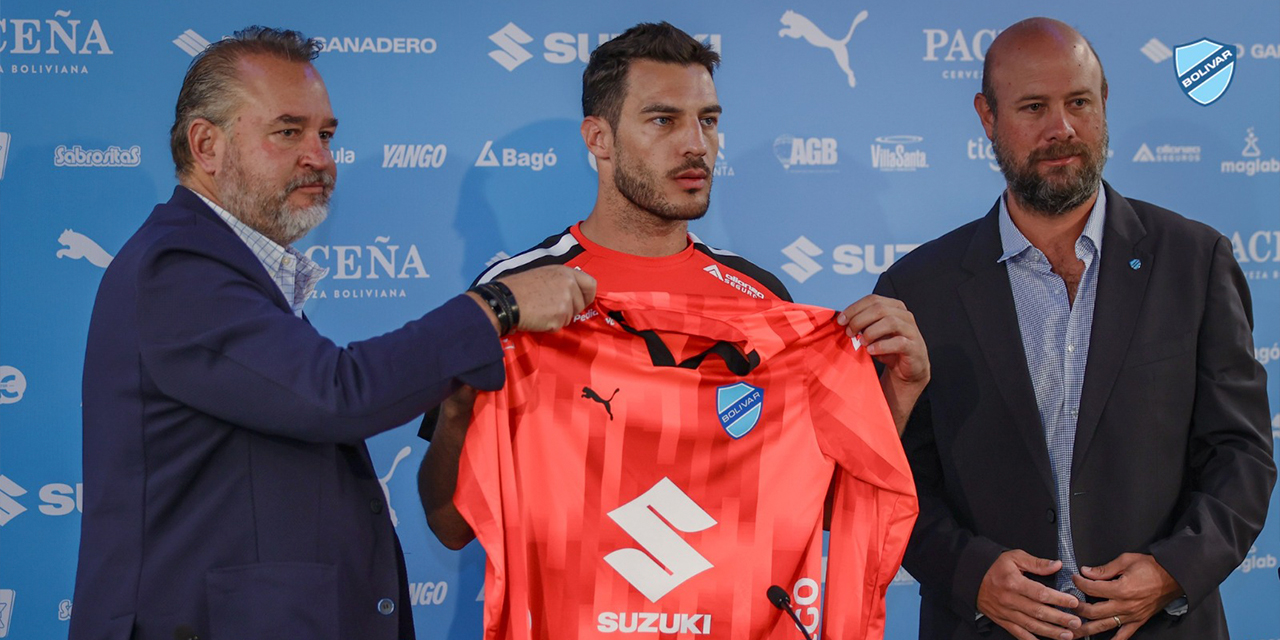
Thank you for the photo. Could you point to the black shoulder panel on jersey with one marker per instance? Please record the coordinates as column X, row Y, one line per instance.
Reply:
column 556, row 249
column 745, row 266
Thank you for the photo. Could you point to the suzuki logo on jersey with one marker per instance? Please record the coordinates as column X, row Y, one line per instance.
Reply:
column 738, row 407
column 665, row 560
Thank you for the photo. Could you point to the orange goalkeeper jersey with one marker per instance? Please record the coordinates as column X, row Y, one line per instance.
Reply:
column 654, row 467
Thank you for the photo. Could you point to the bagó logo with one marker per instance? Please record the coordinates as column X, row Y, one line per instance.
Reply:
column 510, row 54
column 386, row 490
column 738, row 407
column 664, row 561
column 6, row 611
column 10, row 508
column 78, row 245
column 191, row 42
column 1204, row 69
column 513, row 158
column 12, row 384
column 798, row 26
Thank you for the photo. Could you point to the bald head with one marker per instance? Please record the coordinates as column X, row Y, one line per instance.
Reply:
column 1033, row 40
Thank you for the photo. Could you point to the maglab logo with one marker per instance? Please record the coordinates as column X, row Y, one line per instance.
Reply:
column 664, row 561
column 1204, row 69
column 800, row 27
column 1251, row 161
column 12, row 384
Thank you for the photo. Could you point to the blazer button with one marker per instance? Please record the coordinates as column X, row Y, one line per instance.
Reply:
column 375, row 505
column 386, row 607
column 1050, row 515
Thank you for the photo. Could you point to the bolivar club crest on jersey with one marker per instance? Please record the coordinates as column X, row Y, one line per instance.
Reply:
column 739, row 406
column 1204, row 69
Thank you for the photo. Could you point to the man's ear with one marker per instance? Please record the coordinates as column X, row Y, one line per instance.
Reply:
column 986, row 114
column 598, row 136
column 208, row 144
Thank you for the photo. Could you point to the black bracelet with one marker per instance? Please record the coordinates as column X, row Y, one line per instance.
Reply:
column 509, row 298
column 493, row 297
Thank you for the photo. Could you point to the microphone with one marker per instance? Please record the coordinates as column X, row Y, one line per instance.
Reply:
column 778, row 596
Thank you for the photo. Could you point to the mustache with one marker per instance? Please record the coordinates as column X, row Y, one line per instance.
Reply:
column 311, row 178
column 691, row 163
column 1059, row 150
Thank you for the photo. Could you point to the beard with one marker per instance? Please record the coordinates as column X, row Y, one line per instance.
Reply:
column 640, row 185
column 1063, row 188
column 268, row 211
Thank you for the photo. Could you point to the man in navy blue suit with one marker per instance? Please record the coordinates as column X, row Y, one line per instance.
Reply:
column 228, row 492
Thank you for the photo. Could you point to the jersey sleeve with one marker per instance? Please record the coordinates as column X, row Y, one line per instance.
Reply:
column 875, row 502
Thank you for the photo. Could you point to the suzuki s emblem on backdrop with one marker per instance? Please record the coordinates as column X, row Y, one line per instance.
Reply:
column 738, row 407
column 1205, row 69
column 798, row 26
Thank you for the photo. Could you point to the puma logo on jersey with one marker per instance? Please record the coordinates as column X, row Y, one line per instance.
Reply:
column 588, row 393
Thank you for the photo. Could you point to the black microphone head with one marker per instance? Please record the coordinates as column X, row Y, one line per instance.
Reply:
column 778, row 596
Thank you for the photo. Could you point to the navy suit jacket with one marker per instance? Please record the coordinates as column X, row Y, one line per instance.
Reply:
column 228, row 491
column 1172, row 448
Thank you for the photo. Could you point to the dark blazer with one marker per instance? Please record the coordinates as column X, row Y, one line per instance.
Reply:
column 1173, row 446
column 228, row 491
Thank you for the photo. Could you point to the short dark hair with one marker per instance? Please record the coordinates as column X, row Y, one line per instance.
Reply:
column 211, row 87
column 604, row 82
column 989, row 92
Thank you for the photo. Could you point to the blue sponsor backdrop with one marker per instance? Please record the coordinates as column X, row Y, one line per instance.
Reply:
column 459, row 141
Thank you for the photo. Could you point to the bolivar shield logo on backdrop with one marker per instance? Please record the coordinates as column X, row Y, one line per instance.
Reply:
column 739, row 406
column 1204, row 69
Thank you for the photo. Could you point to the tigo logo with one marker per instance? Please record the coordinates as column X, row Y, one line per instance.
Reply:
column 1157, row 51
column 6, row 611
column 652, row 520
column 981, row 149
column 897, row 157
column 802, row 153
column 191, row 42
column 412, row 156
column 10, row 508
column 513, row 158
column 800, row 27
column 12, row 384
column 5, row 139
column 510, row 54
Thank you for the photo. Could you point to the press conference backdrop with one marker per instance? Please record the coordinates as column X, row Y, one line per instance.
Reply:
column 848, row 138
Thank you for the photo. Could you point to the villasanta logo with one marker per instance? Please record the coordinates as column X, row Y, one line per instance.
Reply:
column 559, row 47
column 533, row 160
column 5, row 139
column 847, row 259
column 373, row 263
column 1252, row 162
column 981, row 149
column 191, row 42
column 968, row 49
column 77, row 246
column 800, row 27
column 57, row 36
column 1167, row 153
column 377, row 44
column 411, row 156
column 13, row 385
column 897, row 157
column 664, row 561
column 806, row 154
column 78, row 156
column 386, row 489
column 6, row 611
column 10, row 508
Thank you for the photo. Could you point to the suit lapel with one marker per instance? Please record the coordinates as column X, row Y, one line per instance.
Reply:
column 988, row 301
column 1121, row 288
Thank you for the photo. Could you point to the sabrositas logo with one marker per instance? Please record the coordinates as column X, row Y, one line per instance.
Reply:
column 377, row 44
column 664, row 561
column 802, row 28
column 508, row 157
column 559, row 47
column 965, row 50
column 57, row 36
column 898, row 157
column 5, row 139
column 12, row 384
column 1251, row 162
column 847, row 259
column 113, row 156
column 372, row 263
column 981, row 149
column 6, row 611
column 806, row 154
column 1258, row 253
column 1167, row 153
column 411, row 156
